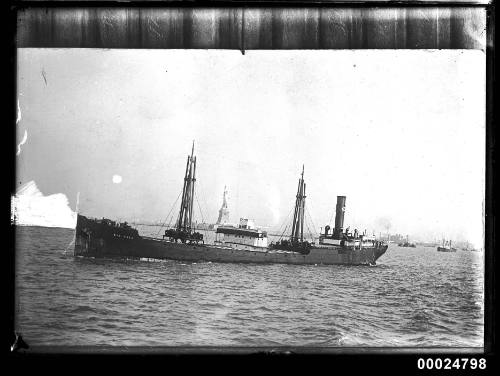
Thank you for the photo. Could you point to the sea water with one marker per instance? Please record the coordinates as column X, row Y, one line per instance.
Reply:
column 414, row 297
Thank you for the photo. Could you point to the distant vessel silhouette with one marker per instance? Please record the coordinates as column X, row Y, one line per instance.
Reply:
column 446, row 247
column 406, row 243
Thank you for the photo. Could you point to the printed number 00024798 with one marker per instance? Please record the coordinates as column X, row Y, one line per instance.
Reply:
column 448, row 363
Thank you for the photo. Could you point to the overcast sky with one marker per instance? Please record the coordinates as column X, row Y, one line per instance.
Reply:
column 400, row 133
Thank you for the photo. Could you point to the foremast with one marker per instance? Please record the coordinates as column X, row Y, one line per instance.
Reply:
column 184, row 229
column 298, row 216
column 296, row 242
column 185, row 218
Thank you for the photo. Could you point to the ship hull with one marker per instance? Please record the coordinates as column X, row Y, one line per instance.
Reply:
column 91, row 241
column 442, row 249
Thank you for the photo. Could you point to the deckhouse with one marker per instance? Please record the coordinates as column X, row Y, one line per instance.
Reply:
column 245, row 236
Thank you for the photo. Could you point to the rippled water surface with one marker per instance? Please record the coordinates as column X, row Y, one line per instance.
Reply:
column 413, row 297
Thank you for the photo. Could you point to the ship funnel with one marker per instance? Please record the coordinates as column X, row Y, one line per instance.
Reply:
column 339, row 217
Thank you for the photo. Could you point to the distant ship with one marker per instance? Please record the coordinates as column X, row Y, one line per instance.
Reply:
column 407, row 243
column 244, row 244
column 469, row 248
column 446, row 247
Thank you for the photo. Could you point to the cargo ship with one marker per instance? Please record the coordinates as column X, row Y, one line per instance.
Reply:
column 446, row 247
column 242, row 244
column 407, row 243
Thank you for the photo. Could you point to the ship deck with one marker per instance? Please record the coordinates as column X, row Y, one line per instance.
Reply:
column 216, row 246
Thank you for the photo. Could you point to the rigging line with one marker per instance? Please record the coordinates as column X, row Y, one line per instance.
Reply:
column 306, row 223
column 285, row 222
column 311, row 234
column 312, row 222
column 197, row 195
column 169, row 225
column 199, row 207
column 309, row 204
column 282, row 224
column 200, row 189
column 330, row 221
column 172, row 208
column 310, row 217
column 204, row 229
column 281, row 236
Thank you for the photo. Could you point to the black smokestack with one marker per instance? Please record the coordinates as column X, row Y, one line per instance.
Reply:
column 339, row 216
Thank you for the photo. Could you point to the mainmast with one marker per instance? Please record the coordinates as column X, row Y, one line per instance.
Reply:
column 185, row 219
column 296, row 242
column 298, row 216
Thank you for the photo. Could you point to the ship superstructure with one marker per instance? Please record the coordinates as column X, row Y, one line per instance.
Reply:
column 244, row 236
column 346, row 239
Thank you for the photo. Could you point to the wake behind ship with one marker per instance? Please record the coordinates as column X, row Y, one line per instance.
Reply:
column 245, row 244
